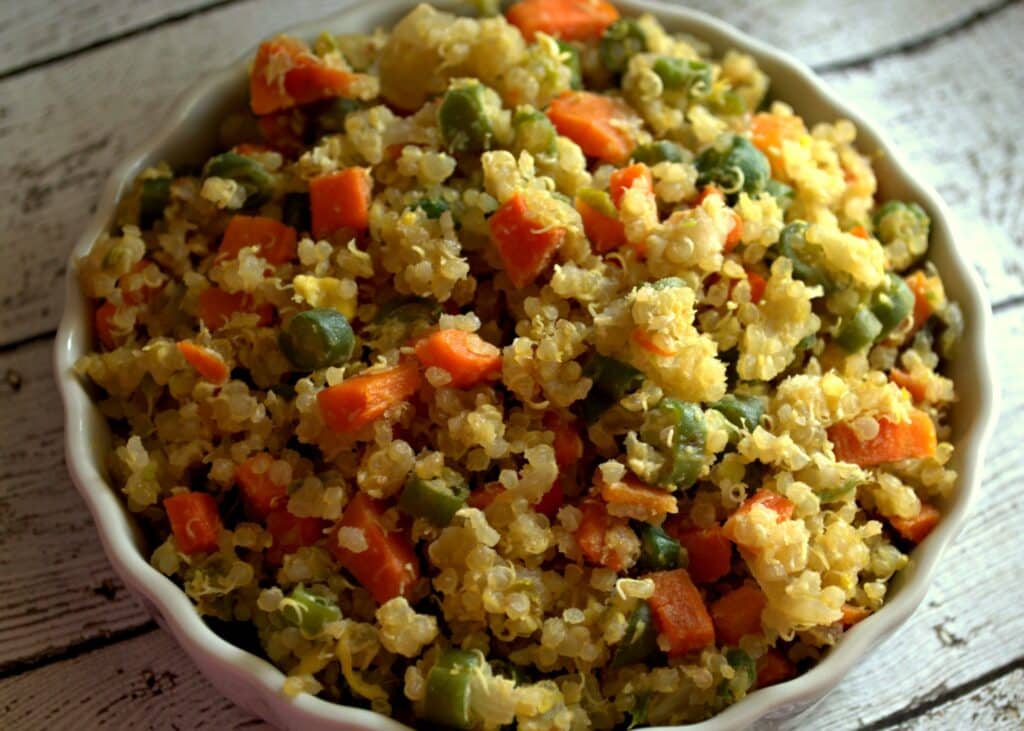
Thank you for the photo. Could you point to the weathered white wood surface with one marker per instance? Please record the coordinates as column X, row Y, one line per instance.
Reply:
column 952, row 105
column 51, row 174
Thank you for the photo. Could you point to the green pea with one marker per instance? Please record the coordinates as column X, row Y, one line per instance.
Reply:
column 660, row 151
column 436, row 499
column 534, row 131
column 599, row 200
column 448, row 688
column 859, row 331
column 463, row 119
column 903, row 229
column 794, row 246
column 328, row 117
column 622, row 40
column 782, row 193
column 295, row 211
column 658, row 550
column 677, row 74
column 309, row 612
column 253, row 177
column 432, row 207
column 153, row 199
column 892, row 303
column 640, row 640
column 734, row 165
column 744, row 412
column 571, row 58
column 317, row 338
column 684, row 453
column 613, row 377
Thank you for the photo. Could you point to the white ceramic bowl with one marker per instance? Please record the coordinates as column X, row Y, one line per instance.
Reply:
column 188, row 136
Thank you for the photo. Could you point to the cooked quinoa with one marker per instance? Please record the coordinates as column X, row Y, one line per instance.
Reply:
column 532, row 369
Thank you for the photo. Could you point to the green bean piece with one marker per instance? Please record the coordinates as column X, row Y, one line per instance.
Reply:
column 678, row 74
column 892, row 303
column 859, row 331
column 660, row 151
column 448, row 688
column 640, row 640
column 309, row 612
column 782, row 193
column 534, row 131
column 571, row 57
column 599, row 200
column 638, row 716
column 658, row 550
column 622, row 40
column 743, row 664
column 153, row 199
column 667, row 283
column 613, row 377
column 683, row 422
column 827, row 496
column 903, row 229
column 436, row 499
column 317, row 338
column 793, row 245
column 744, row 412
column 328, row 117
column 727, row 103
column 462, row 117
column 253, row 177
column 295, row 211
column 734, row 165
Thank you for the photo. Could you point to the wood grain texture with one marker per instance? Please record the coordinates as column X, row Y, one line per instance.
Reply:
column 51, row 178
column 144, row 683
column 998, row 706
column 49, row 550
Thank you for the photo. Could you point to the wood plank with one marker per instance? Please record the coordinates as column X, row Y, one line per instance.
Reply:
column 52, row 565
column 32, row 32
column 146, row 682
column 56, row 587
column 50, row 179
column 997, row 705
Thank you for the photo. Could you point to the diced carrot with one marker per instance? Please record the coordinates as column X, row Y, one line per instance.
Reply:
column 895, row 440
column 646, row 342
column 773, row 667
column 852, row 614
column 290, row 533
column 782, row 506
column 626, row 178
column 679, row 612
column 285, row 73
column 860, row 232
column 250, row 148
column 208, row 363
column 273, row 240
column 769, row 131
column 568, row 444
column 195, row 521
column 903, row 379
column 916, row 529
column 358, row 401
column 630, row 491
column 216, row 307
column 605, row 232
column 591, row 535
column 340, row 200
column 104, row 321
column 482, row 498
column 923, row 288
column 260, row 492
column 570, row 20
column 552, row 500
column 757, row 286
column 525, row 245
column 388, row 566
column 469, row 359
column 738, row 614
column 710, row 552
column 706, row 192
column 735, row 234
column 134, row 291
column 597, row 123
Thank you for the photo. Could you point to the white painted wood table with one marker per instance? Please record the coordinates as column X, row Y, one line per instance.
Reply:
column 83, row 81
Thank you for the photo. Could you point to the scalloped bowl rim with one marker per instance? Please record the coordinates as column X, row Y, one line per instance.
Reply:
column 253, row 682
